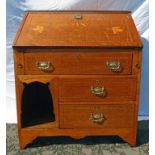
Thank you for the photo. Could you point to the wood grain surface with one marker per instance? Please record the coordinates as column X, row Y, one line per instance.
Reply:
column 78, row 62
column 77, row 45
column 116, row 89
column 81, row 28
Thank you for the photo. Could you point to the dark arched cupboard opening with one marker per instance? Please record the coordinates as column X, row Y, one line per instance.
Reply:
column 36, row 104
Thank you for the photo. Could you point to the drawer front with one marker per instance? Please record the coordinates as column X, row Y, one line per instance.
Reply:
column 78, row 63
column 98, row 89
column 97, row 116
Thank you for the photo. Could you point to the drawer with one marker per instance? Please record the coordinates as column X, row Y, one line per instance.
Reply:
column 78, row 63
column 118, row 88
column 97, row 116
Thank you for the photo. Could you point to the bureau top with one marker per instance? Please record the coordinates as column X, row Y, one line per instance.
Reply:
column 107, row 29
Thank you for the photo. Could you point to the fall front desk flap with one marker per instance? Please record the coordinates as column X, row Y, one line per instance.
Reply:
column 77, row 28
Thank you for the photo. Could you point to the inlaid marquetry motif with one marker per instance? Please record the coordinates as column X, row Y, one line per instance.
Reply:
column 38, row 28
column 78, row 28
column 90, row 63
column 117, row 29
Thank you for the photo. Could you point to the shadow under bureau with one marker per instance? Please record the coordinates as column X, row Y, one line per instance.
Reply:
column 77, row 74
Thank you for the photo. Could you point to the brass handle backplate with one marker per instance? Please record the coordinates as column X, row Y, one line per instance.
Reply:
column 78, row 16
column 44, row 66
column 114, row 66
column 97, row 117
column 98, row 91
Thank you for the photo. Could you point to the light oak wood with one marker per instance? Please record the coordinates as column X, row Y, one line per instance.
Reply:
column 115, row 116
column 78, row 62
column 53, row 86
column 124, row 133
column 116, row 89
column 82, row 32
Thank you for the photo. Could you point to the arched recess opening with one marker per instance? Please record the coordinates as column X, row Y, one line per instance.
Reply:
column 36, row 105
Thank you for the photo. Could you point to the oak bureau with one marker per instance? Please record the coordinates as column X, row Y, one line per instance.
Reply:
column 77, row 74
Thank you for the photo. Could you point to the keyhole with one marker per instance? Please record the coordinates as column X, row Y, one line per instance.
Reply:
column 97, row 81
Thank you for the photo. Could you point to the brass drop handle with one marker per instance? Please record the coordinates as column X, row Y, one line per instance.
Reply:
column 78, row 16
column 45, row 66
column 98, row 91
column 114, row 66
column 97, row 117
